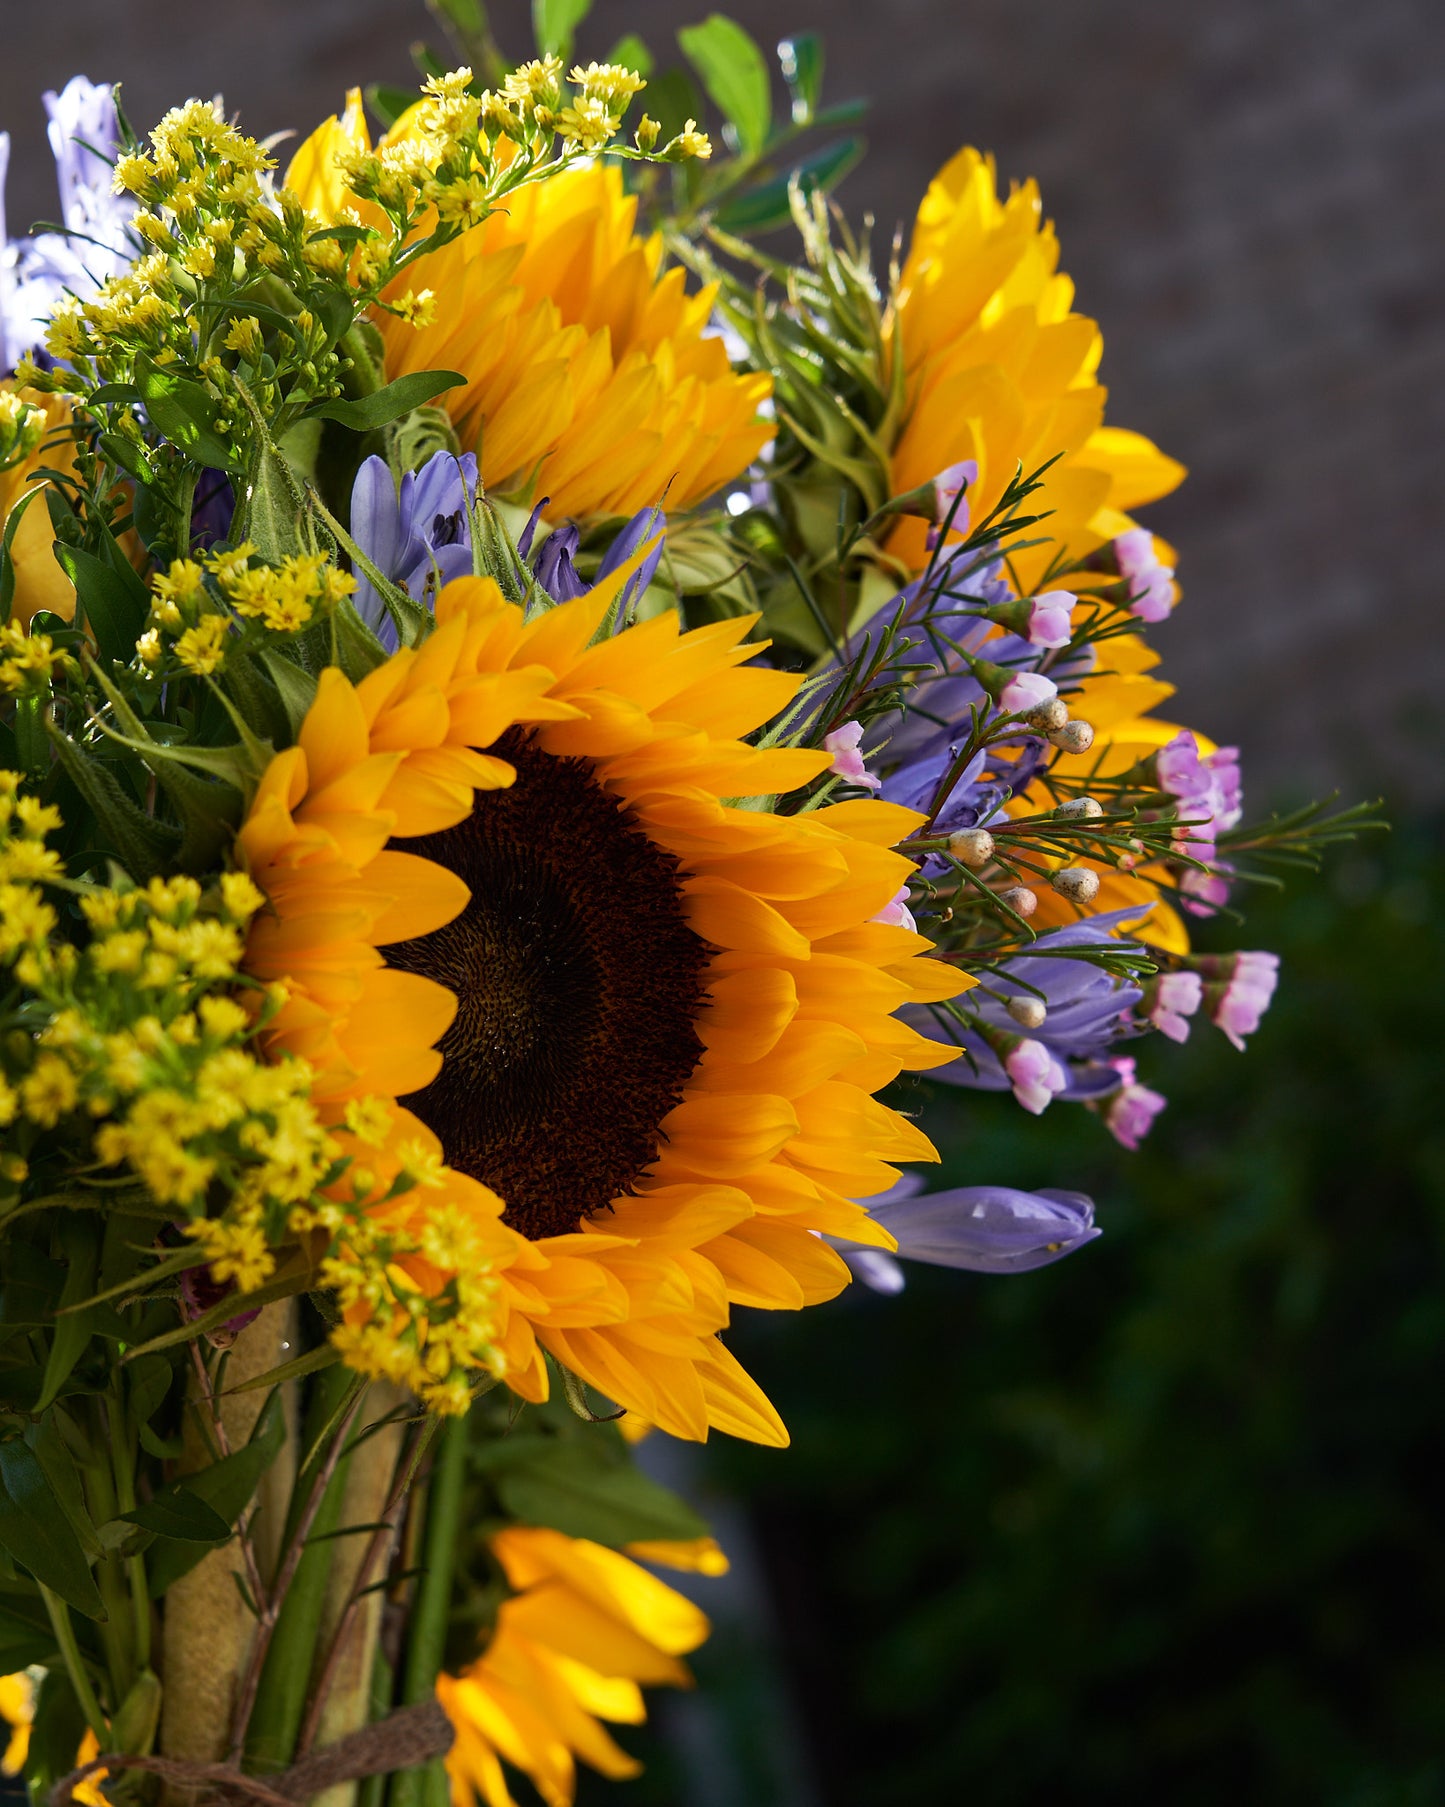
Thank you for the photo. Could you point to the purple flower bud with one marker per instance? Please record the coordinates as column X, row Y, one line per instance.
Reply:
column 1051, row 618
column 987, row 1229
column 1034, row 1074
column 1238, row 1000
column 1025, row 691
column 843, row 743
column 1170, row 999
column 1129, row 1115
column 1151, row 584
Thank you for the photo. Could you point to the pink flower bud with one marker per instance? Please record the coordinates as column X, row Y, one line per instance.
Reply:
column 1129, row 1115
column 1051, row 618
column 1151, row 584
column 897, row 912
column 948, row 486
column 843, row 744
column 1238, row 1002
column 1026, row 690
column 1034, row 1074
column 1170, row 1000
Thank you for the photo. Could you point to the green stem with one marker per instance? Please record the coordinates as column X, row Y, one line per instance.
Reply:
column 74, row 1663
column 275, row 1719
column 122, row 1456
column 427, row 1633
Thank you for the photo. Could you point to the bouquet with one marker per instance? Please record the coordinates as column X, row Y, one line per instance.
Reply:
column 533, row 687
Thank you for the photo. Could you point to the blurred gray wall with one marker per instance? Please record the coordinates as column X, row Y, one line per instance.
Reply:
column 1251, row 197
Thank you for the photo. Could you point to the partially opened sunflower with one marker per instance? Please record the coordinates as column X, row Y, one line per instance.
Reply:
column 591, row 378
column 1000, row 370
column 538, row 888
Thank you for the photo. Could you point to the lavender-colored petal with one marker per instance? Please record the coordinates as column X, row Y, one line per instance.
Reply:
column 989, row 1229
column 554, row 568
column 878, row 1271
column 376, row 528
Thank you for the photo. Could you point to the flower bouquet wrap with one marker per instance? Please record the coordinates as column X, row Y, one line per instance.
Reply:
column 523, row 711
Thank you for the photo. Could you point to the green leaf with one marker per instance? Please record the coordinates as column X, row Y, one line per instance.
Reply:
column 80, row 1245
column 555, row 22
column 801, row 60
column 631, row 53
column 297, row 687
column 275, row 507
column 735, row 75
column 7, row 563
column 55, row 1458
column 227, row 1487
column 388, row 103
column 56, row 1734
column 112, row 606
column 594, row 1493
column 176, row 1511
column 30, row 1287
column 36, row 1532
column 767, row 206
column 186, row 414
column 142, row 845
column 387, row 404
column 133, row 1729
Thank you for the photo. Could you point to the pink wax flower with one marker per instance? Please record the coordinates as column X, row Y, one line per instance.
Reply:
column 844, row 743
column 897, row 912
column 1025, row 691
column 1151, row 584
column 1051, row 618
column 1171, row 1000
column 1239, row 998
column 1034, row 1074
column 948, row 487
column 1129, row 1115
column 1203, row 893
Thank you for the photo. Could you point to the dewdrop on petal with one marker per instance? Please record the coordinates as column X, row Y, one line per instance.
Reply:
column 971, row 847
column 1079, row 884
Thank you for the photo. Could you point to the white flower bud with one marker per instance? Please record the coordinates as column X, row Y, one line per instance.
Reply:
column 972, row 847
column 1078, row 883
column 1080, row 809
column 1020, row 900
column 1073, row 737
column 1049, row 716
column 1028, row 1013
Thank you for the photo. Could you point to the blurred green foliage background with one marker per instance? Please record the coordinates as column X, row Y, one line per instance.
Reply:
column 1162, row 1521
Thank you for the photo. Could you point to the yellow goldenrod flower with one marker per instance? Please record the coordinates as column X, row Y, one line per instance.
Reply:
column 202, row 648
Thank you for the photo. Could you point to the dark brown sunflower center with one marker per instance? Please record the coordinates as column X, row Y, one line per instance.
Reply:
column 578, row 983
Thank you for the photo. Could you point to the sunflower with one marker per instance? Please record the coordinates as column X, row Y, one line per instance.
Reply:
column 590, row 378
column 39, row 581
column 629, row 998
column 1000, row 370
column 583, row 1628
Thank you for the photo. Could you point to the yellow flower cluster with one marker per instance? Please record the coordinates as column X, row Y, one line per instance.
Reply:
column 205, row 607
column 22, row 426
column 28, row 662
column 137, row 1053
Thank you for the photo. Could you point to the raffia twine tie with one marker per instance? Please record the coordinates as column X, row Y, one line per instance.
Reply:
column 403, row 1740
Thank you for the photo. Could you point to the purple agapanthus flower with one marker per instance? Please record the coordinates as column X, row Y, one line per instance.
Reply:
column 1085, row 1010
column 984, row 1229
column 554, row 569
column 37, row 272
column 417, row 535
